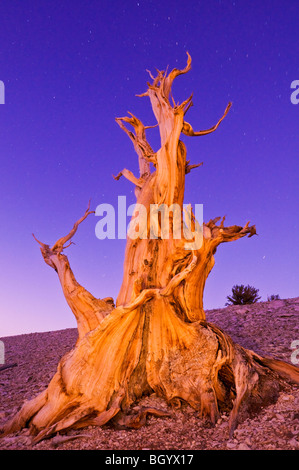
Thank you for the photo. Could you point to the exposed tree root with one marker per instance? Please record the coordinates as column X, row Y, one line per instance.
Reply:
column 138, row 419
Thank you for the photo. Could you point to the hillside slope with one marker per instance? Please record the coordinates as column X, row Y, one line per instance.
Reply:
column 268, row 328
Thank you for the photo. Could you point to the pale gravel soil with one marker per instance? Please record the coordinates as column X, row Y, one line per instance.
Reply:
column 268, row 328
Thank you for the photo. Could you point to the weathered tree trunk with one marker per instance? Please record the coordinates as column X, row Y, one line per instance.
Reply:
column 156, row 338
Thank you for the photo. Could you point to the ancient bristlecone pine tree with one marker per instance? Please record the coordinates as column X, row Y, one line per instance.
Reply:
column 156, row 338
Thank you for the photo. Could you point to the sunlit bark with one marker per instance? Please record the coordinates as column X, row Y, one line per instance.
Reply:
column 155, row 338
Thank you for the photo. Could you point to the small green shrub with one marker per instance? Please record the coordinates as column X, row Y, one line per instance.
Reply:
column 242, row 295
column 273, row 297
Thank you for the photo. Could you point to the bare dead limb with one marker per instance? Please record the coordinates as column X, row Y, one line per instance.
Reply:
column 189, row 167
column 141, row 145
column 130, row 177
column 188, row 130
column 59, row 245
column 88, row 310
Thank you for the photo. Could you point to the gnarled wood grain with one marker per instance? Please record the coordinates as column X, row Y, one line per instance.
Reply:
column 156, row 338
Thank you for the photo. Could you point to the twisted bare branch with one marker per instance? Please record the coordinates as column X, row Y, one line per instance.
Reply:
column 59, row 245
column 141, row 145
column 87, row 309
column 130, row 177
column 188, row 130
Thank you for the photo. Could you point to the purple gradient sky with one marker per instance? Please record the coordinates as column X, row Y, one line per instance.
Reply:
column 71, row 67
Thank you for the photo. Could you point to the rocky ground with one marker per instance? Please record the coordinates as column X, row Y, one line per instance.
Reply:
column 269, row 328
